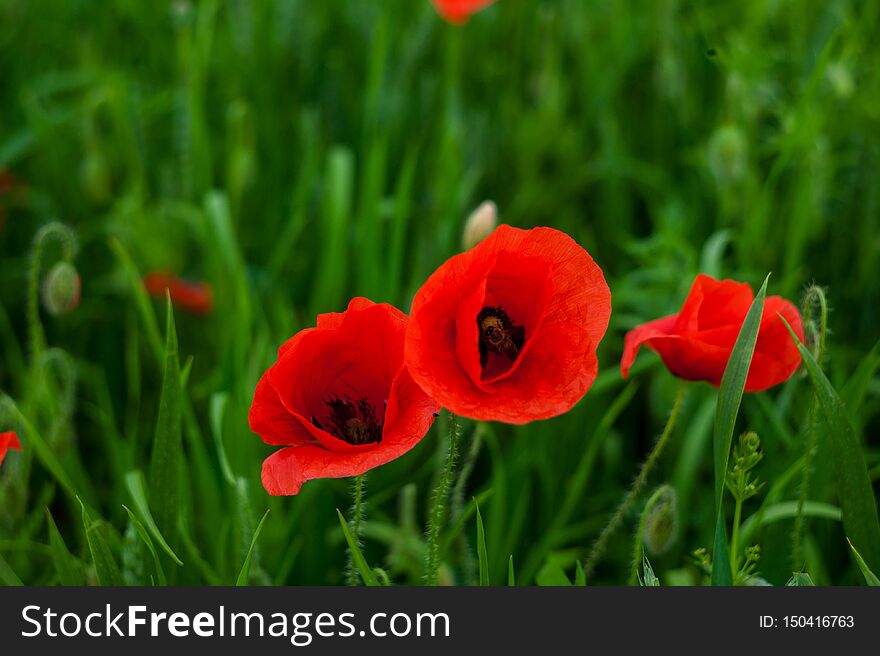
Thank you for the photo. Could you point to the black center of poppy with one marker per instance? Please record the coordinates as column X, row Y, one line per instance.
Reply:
column 352, row 421
column 499, row 334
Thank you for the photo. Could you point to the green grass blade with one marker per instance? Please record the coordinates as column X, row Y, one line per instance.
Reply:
column 786, row 510
column 870, row 578
column 142, row 300
column 165, row 465
column 244, row 574
column 367, row 574
column 145, row 537
column 32, row 438
column 134, row 481
column 482, row 553
column 511, row 577
column 580, row 576
column 800, row 579
column 551, row 574
column 851, row 474
column 216, row 412
column 65, row 564
column 106, row 568
column 7, row 576
column 730, row 395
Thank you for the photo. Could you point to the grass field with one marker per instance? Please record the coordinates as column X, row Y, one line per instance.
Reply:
column 293, row 154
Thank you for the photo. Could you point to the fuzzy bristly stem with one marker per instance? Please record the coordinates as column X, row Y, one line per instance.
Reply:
column 734, row 539
column 437, row 515
column 799, row 520
column 637, row 486
column 457, row 500
column 355, row 524
column 815, row 296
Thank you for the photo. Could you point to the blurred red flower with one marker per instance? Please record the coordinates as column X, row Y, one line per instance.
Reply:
column 339, row 399
column 12, row 190
column 195, row 297
column 508, row 330
column 458, row 11
column 696, row 343
column 8, row 440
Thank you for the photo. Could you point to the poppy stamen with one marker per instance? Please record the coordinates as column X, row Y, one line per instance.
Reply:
column 352, row 421
column 499, row 334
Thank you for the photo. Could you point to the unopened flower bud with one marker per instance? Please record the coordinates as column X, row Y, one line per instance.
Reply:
column 61, row 289
column 727, row 154
column 479, row 224
column 661, row 520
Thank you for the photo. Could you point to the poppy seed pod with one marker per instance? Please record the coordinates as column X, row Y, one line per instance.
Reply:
column 480, row 224
column 61, row 289
column 661, row 520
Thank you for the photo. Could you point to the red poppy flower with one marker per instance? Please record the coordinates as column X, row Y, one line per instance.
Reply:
column 508, row 330
column 458, row 11
column 8, row 440
column 339, row 399
column 195, row 297
column 696, row 343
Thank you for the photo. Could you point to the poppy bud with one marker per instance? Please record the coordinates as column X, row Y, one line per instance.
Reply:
column 61, row 289
column 479, row 224
column 728, row 154
column 661, row 520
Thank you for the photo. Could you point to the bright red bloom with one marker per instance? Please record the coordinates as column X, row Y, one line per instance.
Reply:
column 458, row 11
column 195, row 297
column 8, row 440
column 339, row 399
column 696, row 343
column 508, row 330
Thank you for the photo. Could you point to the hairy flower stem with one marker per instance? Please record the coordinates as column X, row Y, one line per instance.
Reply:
column 67, row 238
column 734, row 540
column 355, row 525
column 457, row 500
column 602, row 541
column 815, row 296
column 437, row 513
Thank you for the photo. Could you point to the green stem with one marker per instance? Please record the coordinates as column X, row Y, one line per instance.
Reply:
column 638, row 551
column 624, row 507
column 355, row 523
column 457, row 501
column 67, row 238
column 734, row 539
column 800, row 520
column 437, row 513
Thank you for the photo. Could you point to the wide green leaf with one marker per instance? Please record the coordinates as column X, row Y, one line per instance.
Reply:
column 552, row 574
column 850, row 472
column 730, row 395
column 367, row 574
column 165, row 466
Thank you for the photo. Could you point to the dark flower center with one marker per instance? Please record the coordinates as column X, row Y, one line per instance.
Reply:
column 352, row 421
column 499, row 334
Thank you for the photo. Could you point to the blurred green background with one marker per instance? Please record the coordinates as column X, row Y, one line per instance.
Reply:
column 293, row 154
